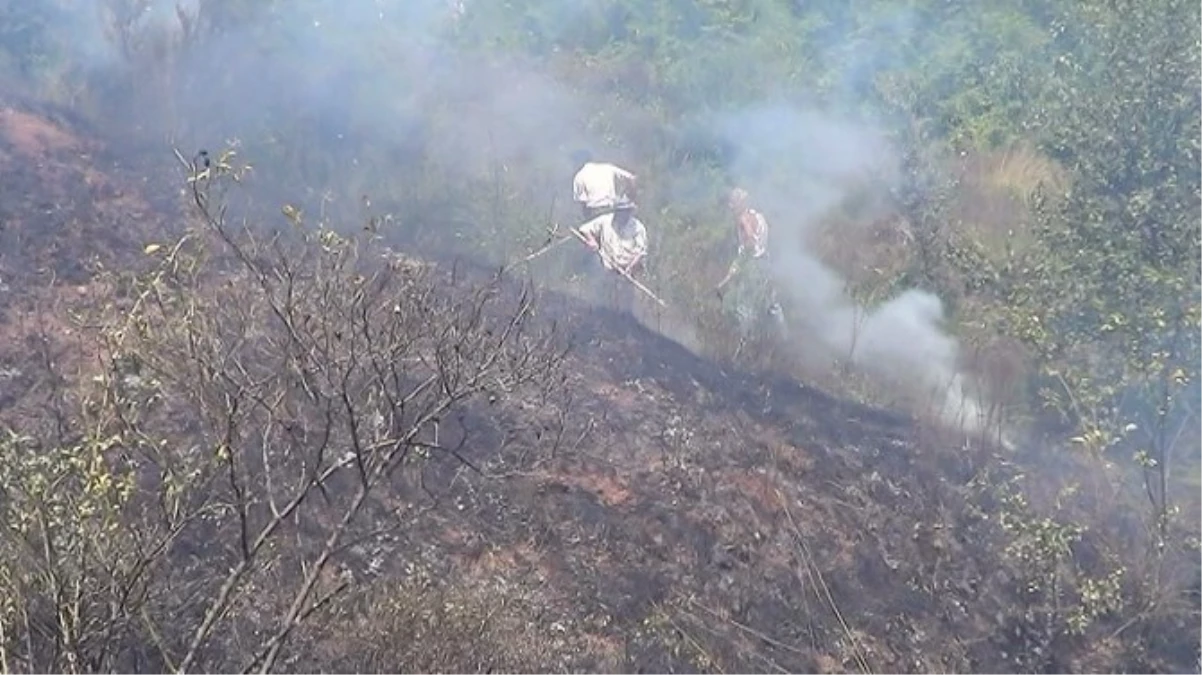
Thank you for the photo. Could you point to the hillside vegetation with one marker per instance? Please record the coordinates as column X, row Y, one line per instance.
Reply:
column 273, row 406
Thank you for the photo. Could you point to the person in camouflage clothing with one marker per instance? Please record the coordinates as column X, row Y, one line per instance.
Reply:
column 748, row 286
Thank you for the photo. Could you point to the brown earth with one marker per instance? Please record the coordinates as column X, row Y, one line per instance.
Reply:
column 694, row 520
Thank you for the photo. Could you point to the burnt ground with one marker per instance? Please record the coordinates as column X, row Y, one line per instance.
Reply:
column 66, row 204
column 692, row 520
column 711, row 522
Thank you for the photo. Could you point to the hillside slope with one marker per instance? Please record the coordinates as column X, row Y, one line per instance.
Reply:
column 64, row 202
column 692, row 519
column 707, row 521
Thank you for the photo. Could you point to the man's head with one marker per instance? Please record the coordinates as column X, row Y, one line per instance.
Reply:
column 737, row 200
column 581, row 157
column 624, row 221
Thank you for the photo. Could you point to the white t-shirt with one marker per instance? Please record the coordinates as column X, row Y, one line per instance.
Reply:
column 620, row 243
column 596, row 185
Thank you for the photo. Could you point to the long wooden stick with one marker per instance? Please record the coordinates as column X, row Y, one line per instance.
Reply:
column 623, row 272
column 546, row 248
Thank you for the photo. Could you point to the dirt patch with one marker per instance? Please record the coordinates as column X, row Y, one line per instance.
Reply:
column 608, row 489
column 35, row 137
column 508, row 561
column 758, row 488
column 65, row 207
column 618, row 395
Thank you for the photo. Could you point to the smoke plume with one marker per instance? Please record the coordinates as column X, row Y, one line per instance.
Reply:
column 360, row 93
column 798, row 165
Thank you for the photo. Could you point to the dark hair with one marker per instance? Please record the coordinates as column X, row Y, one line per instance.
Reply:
column 582, row 156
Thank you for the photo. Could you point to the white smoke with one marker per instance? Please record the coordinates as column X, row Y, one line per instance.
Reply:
column 371, row 73
column 798, row 166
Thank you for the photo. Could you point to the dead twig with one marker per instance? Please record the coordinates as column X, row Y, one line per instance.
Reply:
column 819, row 582
column 709, row 658
column 748, row 629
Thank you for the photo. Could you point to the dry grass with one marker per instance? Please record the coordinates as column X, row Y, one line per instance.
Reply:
column 492, row 624
column 1021, row 169
column 997, row 195
column 869, row 243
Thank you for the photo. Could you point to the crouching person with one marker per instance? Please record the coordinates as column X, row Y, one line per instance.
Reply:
column 620, row 241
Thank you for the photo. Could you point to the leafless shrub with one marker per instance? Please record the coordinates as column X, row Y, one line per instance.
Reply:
column 258, row 402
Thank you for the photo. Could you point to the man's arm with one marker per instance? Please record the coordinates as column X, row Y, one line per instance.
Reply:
column 730, row 273
column 589, row 231
column 640, row 242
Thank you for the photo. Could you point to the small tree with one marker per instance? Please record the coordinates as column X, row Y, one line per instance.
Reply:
column 1110, row 298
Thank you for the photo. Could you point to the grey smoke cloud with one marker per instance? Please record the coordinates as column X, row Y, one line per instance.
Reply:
column 381, row 74
column 798, row 165
column 337, row 75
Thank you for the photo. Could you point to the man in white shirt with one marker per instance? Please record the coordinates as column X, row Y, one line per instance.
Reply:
column 620, row 241
column 619, row 238
column 601, row 187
